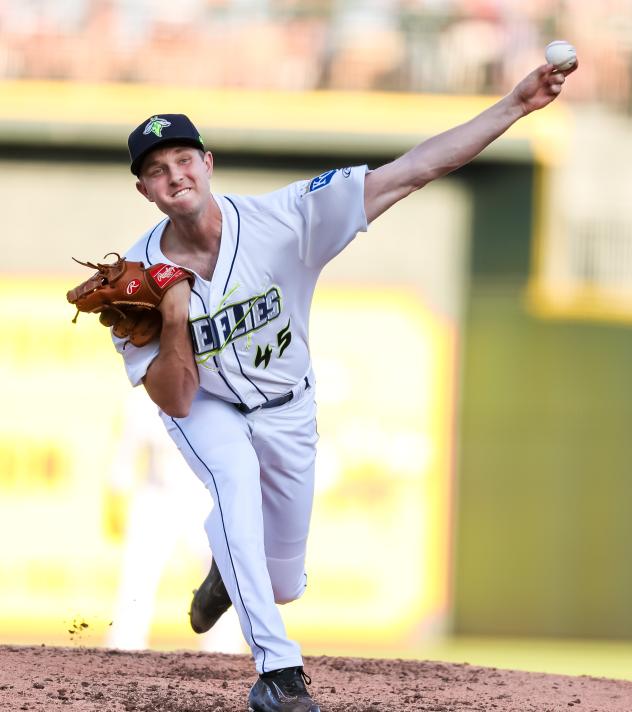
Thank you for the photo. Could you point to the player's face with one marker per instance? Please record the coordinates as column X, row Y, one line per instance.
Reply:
column 176, row 178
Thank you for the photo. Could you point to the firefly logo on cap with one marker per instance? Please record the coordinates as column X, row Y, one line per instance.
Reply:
column 155, row 125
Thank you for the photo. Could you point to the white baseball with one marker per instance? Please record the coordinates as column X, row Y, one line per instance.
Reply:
column 561, row 54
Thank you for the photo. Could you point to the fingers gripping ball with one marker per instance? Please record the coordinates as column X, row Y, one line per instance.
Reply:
column 126, row 296
column 561, row 54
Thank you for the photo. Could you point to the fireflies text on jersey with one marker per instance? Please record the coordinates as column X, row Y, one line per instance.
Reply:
column 213, row 333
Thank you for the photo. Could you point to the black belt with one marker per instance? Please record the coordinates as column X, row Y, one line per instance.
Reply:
column 281, row 400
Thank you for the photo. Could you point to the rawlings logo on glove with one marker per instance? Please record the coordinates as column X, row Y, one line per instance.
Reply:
column 126, row 296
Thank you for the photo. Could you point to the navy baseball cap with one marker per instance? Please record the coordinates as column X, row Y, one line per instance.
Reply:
column 158, row 131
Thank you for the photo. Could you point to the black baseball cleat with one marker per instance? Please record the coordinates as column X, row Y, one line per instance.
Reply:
column 282, row 691
column 209, row 602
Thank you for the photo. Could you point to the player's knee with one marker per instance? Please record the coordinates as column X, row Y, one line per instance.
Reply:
column 288, row 578
column 287, row 589
column 284, row 600
column 286, row 593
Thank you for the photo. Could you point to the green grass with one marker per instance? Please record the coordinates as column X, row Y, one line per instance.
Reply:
column 612, row 659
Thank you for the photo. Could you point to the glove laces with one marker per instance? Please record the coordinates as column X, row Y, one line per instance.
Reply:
column 100, row 265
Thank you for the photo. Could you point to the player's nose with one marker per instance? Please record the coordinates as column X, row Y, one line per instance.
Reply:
column 175, row 175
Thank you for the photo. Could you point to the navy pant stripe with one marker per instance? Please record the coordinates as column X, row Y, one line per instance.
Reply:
column 219, row 504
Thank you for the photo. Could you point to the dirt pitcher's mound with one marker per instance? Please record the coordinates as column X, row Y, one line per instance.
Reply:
column 85, row 679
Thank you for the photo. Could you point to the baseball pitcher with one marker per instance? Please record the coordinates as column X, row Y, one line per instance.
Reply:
column 209, row 310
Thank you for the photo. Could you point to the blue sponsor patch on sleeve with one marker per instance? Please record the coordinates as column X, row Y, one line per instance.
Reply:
column 321, row 181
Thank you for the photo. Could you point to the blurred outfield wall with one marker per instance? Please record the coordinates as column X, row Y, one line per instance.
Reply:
column 544, row 476
column 386, row 455
column 537, row 540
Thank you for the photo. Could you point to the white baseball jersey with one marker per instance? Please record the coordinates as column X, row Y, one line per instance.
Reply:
column 249, row 329
column 249, row 324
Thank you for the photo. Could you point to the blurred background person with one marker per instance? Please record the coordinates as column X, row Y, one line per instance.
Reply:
column 153, row 504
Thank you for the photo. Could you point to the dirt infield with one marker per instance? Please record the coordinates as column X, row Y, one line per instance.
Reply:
column 87, row 679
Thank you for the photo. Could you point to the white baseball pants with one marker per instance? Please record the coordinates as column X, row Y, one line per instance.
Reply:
column 259, row 470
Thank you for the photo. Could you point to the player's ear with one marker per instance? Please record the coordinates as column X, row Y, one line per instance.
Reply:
column 208, row 162
column 140, row 187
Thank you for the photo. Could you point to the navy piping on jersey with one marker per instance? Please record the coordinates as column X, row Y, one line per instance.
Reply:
column 151, row 234
column 245, row 376
column 221, row 375
column 232, row 563
column 199, row 296
column 204, row 307
column 232, row 264
column 230, row 271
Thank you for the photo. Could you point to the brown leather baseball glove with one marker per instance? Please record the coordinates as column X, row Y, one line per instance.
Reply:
column 126, row 296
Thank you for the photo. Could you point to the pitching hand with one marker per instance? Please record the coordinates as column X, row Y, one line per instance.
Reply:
column 540, row 87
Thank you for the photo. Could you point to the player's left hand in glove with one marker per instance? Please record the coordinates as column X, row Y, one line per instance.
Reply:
column 126, row 296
